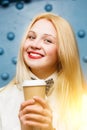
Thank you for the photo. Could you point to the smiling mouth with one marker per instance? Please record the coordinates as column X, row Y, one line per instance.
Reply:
column 34, row 55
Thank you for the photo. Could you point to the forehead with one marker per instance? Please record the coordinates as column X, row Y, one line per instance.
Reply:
column 44, row 26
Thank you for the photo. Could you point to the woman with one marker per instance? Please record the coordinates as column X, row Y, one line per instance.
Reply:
column 48, row 51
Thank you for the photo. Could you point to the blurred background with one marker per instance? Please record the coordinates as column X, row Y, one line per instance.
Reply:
column 15, row 15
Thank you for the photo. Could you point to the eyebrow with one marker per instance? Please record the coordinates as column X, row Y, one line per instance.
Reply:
column 50, row 35
column 31, row 31
column 44, row 34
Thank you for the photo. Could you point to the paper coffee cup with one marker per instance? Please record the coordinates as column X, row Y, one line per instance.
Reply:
column 33, row 88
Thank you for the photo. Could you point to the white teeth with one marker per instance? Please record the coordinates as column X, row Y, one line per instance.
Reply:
column 33, row 54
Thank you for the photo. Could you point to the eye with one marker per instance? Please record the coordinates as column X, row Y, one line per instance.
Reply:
column 48, row 41
column 31, row 37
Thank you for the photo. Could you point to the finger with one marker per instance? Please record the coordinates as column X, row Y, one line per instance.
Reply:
column 32, row 109
column 42, row 101
column 36, row 109
column 47, row 110
column 26, row 103
column 38, row 118
column 23, row 118
column 38, row 125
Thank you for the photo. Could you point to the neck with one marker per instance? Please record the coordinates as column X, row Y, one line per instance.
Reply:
column 41, row 74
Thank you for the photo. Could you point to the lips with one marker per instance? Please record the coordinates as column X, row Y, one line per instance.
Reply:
column 35, row 55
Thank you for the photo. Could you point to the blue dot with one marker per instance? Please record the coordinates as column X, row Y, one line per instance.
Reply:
column 85, row 59
column 1, row 51
column 48, row 7
column 5, row 3
column 81, row 33
column 10, row 36
column 5, row 76
column 14, row 60
column 19, row 5
column 27, row 1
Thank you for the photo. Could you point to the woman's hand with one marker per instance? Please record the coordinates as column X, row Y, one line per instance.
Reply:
column 35, row 113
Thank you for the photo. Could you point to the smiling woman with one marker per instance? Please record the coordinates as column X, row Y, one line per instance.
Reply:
column 49, row 52
column 41, row 47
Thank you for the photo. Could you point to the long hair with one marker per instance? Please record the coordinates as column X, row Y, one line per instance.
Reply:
column 70, row 83
column 68, row 53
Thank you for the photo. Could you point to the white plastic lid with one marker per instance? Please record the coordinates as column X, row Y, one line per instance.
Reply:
column 37, row 82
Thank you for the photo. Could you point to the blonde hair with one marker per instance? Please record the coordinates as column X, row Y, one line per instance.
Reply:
column 70, row 82
column 67, row 52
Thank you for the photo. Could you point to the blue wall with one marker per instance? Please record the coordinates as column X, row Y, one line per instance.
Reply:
column 14, row 18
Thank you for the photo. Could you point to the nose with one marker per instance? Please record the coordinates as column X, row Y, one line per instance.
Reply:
column 36, row 44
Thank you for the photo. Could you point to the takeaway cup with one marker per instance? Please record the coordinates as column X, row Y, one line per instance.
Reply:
column 33, row 88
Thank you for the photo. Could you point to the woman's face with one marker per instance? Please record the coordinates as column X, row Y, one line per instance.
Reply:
column 40, row 47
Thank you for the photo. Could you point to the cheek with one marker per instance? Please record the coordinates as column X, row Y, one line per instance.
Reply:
column 52, row 51
column 26, row 44
column 53, row 55
column 24, row 50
